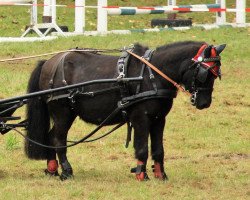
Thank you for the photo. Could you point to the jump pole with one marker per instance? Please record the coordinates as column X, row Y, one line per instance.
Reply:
column 171, row 2
column 102, row 16
column 33, row 21
column 47, row 12
column 33, row 16
column 79, row 16
column 241, row 12
column 103, row 11
column 34, row 26
column 221, row 16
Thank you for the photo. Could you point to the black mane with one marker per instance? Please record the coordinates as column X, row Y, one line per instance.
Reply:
column 140, row 49
column 179, row 44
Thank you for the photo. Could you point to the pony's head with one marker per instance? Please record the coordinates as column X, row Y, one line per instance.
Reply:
column 200, row 76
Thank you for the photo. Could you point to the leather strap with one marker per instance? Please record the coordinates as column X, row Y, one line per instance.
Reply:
column 59, row 64
column 160, row 73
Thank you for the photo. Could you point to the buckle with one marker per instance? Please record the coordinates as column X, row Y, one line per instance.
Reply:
column 193, row 97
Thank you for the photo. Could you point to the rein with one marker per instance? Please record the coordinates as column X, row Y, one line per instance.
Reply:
column 64, row 51
column 84, row 139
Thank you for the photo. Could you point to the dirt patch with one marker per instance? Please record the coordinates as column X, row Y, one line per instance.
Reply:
column 2, row 174
column 236, row 103
column 176, row 157
column 232, row 156
column 202, row 185
column 113, row 157
column 227, row 156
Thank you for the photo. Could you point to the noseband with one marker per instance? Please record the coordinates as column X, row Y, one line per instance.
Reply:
column 202, row 67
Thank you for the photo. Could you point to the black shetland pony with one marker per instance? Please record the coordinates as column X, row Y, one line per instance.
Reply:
column 195, row 65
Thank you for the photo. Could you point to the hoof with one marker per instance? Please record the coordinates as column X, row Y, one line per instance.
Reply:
column 140, row 172
column 143, row 176
column 159, row 172
column 64, row 176
column 163, row 176
column 47, row 172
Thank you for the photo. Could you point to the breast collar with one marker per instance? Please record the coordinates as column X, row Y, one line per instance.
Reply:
column 126, row 97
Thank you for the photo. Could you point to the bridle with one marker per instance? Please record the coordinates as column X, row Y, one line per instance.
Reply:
column 202, row 67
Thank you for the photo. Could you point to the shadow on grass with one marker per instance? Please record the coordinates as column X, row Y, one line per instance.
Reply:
column 3, row 174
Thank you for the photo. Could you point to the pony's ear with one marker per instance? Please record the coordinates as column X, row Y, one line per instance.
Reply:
column 207, row 52
column 220, row 48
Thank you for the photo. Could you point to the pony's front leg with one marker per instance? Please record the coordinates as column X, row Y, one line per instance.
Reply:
column 157, row 149
column 141, row 133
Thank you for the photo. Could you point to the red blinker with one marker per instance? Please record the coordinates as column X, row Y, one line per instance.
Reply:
column 215, row 70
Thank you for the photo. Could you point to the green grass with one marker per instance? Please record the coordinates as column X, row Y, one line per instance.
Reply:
column 206, row 152
column 14, row 25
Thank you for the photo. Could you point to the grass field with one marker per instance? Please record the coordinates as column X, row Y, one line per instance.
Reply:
column 14, row 25
column 207, row 153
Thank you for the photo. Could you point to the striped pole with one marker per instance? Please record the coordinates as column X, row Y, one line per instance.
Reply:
column 15, row 1
column 116, row 10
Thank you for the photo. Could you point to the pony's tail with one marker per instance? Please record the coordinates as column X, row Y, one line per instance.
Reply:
column 38, row 119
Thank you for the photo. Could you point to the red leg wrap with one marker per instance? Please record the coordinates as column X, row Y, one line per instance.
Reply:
column 141, row 176
column 140, row 171
column 157, row 170
column 140, row 162
column 52, row 166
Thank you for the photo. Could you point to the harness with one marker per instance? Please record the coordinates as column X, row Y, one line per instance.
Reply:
column 154, row 93
column 122, row 84
column 126, row 98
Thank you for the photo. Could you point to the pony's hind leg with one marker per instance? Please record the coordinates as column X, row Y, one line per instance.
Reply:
column 52, row 163
column 63, row 118
column 157, row 149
